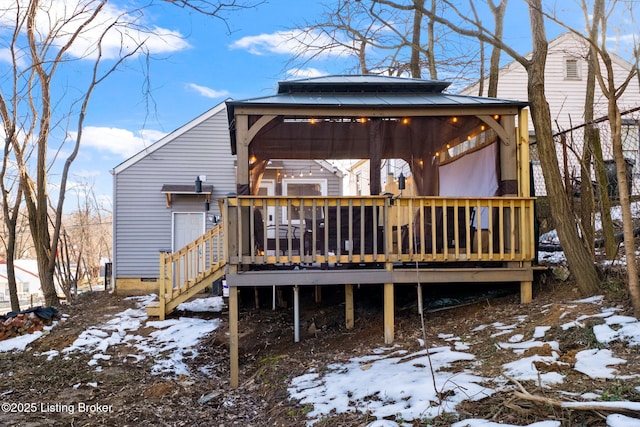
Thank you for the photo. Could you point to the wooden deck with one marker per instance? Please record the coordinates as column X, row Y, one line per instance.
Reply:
column 284, row 241
column 272, row 241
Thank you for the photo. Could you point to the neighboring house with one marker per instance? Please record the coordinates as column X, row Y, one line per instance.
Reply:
column 28, row 282
column 565, row 79
column 155, row 204
column 565, row 85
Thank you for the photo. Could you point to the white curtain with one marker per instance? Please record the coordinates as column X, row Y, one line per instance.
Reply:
column 472, row 175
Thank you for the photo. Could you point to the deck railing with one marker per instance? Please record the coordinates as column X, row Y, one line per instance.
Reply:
column 341, row 230
column 184, row 269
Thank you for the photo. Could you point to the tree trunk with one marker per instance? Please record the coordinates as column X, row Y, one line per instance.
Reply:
column 578, row 257
column 433, row 70
column 43, row 248
column 415, row 39
column 587, row 199
column 610, row 242
column 11, row 272
column 615, row 121
column 494, row 65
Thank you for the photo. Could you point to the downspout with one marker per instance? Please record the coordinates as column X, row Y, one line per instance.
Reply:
column 113, row 232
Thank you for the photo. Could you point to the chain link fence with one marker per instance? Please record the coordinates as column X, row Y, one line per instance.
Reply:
column 570, row 148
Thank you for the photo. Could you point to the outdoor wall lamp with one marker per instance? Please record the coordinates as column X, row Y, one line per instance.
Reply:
column 401, row 181
column 198, row 184
column 207, row 205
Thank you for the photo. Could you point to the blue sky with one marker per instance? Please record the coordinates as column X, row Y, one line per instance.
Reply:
column 200, row 62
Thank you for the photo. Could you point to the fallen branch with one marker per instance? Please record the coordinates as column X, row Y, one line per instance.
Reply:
column 618, row 406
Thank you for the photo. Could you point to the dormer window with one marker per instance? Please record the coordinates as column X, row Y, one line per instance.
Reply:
column 571, row 69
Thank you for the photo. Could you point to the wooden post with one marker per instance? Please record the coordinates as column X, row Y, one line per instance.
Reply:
column 162, row 287
column 233, row 335
column 375, row 149
column 526, row 288
column 388, row 309
column 256, row 297
column 318, row 294
column 523, row 130
column 348, row 299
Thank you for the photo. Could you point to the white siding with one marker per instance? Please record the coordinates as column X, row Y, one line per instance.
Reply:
column 565, row 96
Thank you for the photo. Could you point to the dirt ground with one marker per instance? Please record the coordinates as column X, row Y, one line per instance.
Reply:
column 270, row 359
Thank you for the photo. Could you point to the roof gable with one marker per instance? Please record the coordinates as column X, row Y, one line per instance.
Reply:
column 169, row 137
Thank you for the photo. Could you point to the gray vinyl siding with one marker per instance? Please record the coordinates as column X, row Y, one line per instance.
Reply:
column 143, row 222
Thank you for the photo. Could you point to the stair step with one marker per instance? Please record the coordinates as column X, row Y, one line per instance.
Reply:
column 153, row 309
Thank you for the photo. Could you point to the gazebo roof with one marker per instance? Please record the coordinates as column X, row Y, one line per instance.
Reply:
column 346, row 93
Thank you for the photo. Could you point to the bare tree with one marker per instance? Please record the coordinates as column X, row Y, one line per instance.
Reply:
column 576, row 250
column 10, row 187
column 612, row 90
column 498, row 12
column 41, row 107
column 49, row 39
column 382, row 39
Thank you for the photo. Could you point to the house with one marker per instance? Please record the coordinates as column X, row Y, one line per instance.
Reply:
column 565, row 85
column 469, row 217
column 28, row 283
column 158, row 207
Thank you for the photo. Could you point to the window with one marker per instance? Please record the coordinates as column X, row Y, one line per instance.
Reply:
column 303, row 187
column 571, row 69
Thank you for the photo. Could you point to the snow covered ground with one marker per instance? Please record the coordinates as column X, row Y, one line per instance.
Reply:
column 390, row 382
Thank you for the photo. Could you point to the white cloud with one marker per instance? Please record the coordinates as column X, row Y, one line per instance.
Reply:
column 304, row 43
column 5, row 56
column 118, row 141
column 208, row 92
column 119, row 30
column 306, row 72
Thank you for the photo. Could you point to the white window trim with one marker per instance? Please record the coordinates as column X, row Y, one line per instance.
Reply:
column 287, row 181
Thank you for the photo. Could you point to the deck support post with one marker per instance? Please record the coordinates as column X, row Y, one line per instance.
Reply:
column 273, row 298
column 296, row 313
column 388, row 309
column 162, row 295
column 318, row 294
column 233, row 335
column 526, row 288
column 348, row 307
column 420, row 305
column 256, row 296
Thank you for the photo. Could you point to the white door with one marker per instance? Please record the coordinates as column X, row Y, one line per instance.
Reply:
column 187, row 227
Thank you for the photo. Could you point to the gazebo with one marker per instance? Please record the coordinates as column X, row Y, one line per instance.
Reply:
column 468, row 217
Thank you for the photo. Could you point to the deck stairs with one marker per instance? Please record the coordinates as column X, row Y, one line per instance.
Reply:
column 188, row 271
